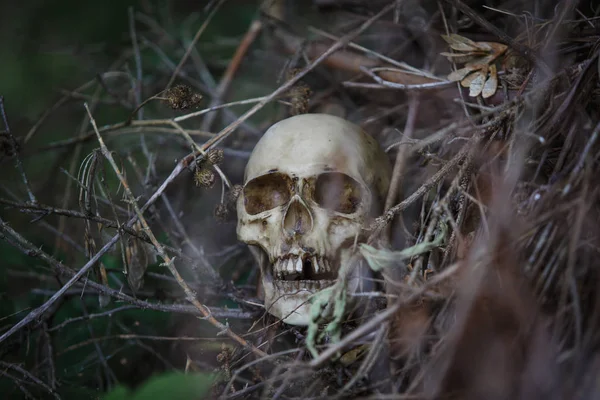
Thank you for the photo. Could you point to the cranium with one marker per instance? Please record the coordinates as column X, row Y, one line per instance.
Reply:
column 310, row 186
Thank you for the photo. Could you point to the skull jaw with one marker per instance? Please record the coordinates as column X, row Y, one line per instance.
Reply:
column 293, row 305
column 293, row 308
column 286, row 300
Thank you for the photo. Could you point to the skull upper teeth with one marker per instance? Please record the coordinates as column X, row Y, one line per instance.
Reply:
column 316, row 265
column 293, row 267
column 299, row 265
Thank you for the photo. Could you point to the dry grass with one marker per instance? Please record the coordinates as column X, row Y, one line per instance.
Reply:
column 506, row 308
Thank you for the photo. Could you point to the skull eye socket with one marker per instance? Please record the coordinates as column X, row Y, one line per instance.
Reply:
column 338, row 192
column 266, row 192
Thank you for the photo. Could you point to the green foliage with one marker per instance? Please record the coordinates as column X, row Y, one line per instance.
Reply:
column 380, row 259
column 38, row 42
column 173, row 386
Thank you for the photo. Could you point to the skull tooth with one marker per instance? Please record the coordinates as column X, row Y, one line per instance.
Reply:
column 299, row 265
column 290, row 266
column 324, row 264
column 316, row 265
column 279, row 268
column 282, row 266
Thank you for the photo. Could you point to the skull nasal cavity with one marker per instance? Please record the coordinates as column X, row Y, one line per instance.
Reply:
column 297, row 219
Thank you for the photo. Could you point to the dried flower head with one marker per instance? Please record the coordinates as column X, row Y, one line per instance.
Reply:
column 233, row 194
column 182, row 97
column 215, row 156
column 299, row 94
column 137, row 261
column 221, row 212
column 480, row 73
column 6, row 146
column 205, row 178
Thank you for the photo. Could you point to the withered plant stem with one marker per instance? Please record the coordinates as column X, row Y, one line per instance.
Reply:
column 232, row 68
column 440, row 84
column 15, row 149
column 192, row 44
column 31, row 250
column 31, row 377
column 150, row 124
column 296, row 78
column 381, row 222
column 33, row 315
column 168, row 261
column 199, row 150
column 45, row 210
column 396, row 63
column 403, row 152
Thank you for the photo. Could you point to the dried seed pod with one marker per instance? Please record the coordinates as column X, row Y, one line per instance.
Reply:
column 7, row 149
column 233, row 194
column 182, row 97
column 136, row 259
column 205, row 178
column 221, row 212
column 215, row 156
column 300, row 96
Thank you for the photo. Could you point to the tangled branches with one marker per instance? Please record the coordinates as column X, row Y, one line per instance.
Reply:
column 125, row 262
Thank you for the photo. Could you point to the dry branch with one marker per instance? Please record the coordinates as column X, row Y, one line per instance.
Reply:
column 511, row 176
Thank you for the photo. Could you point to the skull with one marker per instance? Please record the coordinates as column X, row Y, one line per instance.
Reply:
column 310, row 187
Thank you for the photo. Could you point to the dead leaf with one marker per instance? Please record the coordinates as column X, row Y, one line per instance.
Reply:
column 460, row 74
column 466, row 82
column 351, row 356
column 136, row 261
column 479, row 59
column 476, row 85
column 491, row 84
column 460, row 43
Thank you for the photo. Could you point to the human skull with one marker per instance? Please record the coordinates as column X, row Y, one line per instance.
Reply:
column 310, row 186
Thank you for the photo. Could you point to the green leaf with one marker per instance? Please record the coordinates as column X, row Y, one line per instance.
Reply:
column 379, row 259
column 172, row 386
column 118, row 393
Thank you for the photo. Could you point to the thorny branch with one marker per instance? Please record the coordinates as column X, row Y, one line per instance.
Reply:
column 31, row 250
column 473, row 173
column 389, row 215
column 31, row 377
column 15, row 151
column 168, row 261
column 33, row 315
